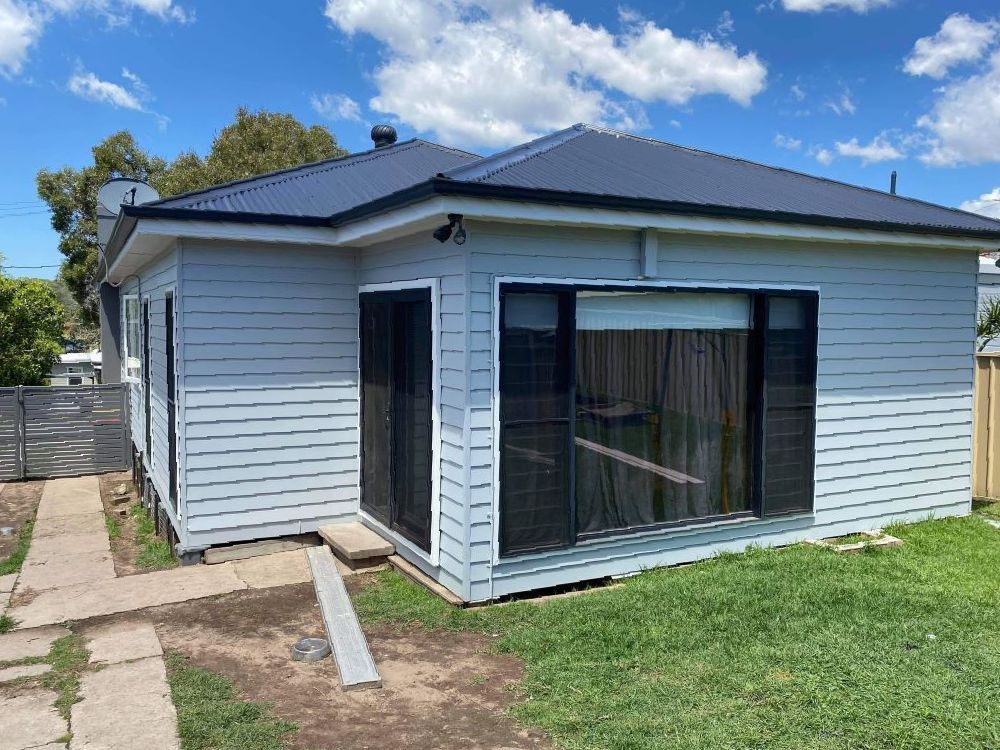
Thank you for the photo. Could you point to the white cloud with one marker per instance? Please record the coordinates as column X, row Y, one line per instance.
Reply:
column 133, row 95
column 843, row 104
column 960, row 39
column 822, row 154
column 20, row 28
column 963, row 127
column 786, row 141
column 726, row 25
column 86, row 85
column 798, row 92
column 878, row 149
column 444, row 59
column 22, row 22
column 336, row 107
column 818, row 6
column 166, row 10
column 987, row 204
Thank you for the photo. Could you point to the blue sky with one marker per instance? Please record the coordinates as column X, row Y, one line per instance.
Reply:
column 849, row 89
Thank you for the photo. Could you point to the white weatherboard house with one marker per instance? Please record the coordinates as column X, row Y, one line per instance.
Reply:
column 579, row 358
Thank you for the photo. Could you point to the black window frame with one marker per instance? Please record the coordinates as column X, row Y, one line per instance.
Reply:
column 757, row 403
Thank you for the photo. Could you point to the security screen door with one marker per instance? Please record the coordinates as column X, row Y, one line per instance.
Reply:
column 396, row 403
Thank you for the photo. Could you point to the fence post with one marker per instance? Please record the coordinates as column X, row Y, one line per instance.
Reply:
column 21, row 433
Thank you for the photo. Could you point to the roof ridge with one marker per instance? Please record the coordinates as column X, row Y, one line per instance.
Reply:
column 668, row 144
column 481, row 170
column 303, row 169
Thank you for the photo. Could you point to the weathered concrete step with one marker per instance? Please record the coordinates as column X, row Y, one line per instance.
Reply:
column 350, row 649
column 356, row 544
column 246, row 550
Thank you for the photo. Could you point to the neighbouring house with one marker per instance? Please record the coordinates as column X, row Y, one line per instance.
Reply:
column 989, row 288
column 579, row 358
column 77, row 368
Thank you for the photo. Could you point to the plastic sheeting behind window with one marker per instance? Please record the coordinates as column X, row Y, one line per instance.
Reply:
column 601, row 311
column 661, row 409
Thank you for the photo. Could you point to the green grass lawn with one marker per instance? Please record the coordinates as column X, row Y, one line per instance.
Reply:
column 779, row 649
column 989, row 508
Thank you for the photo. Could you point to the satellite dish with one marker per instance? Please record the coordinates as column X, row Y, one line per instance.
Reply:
column 120, row 191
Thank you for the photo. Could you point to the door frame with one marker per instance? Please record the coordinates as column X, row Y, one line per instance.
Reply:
column 399, row 540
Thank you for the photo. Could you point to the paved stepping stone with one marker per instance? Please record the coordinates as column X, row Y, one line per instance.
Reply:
column 30, row 721
column 125, row 705
column 113, row 644
column 29, row 644
column 9, row 674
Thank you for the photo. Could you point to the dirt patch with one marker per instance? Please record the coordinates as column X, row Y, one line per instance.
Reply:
column 18, row 503
column 441, row 690
column 125, row 545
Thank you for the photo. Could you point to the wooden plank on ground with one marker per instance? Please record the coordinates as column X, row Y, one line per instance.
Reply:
column 350, row 649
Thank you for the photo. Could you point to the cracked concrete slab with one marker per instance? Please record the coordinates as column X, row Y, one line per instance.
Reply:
column 278, row 569
column 9, row 674
column 113, row 698
column 120, row 642
column 42, row 574
column 30, row 721
column 69, row 544
column 58, row 526
column 109, row 597
column 7, row 583
column 29, row 644
column 69, row 497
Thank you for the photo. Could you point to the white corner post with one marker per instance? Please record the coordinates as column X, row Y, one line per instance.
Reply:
column 647, row 254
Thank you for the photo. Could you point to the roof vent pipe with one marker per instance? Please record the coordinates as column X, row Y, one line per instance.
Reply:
column 892, row 182
column 383, row 135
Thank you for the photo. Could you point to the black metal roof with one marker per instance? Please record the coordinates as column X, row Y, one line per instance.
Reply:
column 599, row 162
column 324, row 188
column 581, row 165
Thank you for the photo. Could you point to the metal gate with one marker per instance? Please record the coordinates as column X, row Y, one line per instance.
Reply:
column 62, row 431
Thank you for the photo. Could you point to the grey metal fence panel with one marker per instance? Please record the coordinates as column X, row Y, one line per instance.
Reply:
column 10, row 435
column 73, row 430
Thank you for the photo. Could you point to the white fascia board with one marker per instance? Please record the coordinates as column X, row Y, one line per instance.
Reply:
column 151, row 237
column 433, row 211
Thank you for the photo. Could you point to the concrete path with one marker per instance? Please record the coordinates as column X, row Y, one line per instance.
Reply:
column 69, row 573
column 126, row 703
column 106, row 597
column 70, row 542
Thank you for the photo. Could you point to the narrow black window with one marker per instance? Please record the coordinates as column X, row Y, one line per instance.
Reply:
column 146, row 384
column 535, row 419
column 171, row 357
column 790, row 403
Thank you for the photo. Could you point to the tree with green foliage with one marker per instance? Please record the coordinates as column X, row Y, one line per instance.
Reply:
column 988, row 322
column 254, row 143
column 31, row 330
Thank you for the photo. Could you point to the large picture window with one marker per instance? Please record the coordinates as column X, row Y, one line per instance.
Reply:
column 132, row 362
column 625, row 409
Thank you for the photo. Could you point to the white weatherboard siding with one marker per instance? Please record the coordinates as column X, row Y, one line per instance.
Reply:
column 154, row 281
column 270, row 349
column 894, row 386
column 422, row 257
